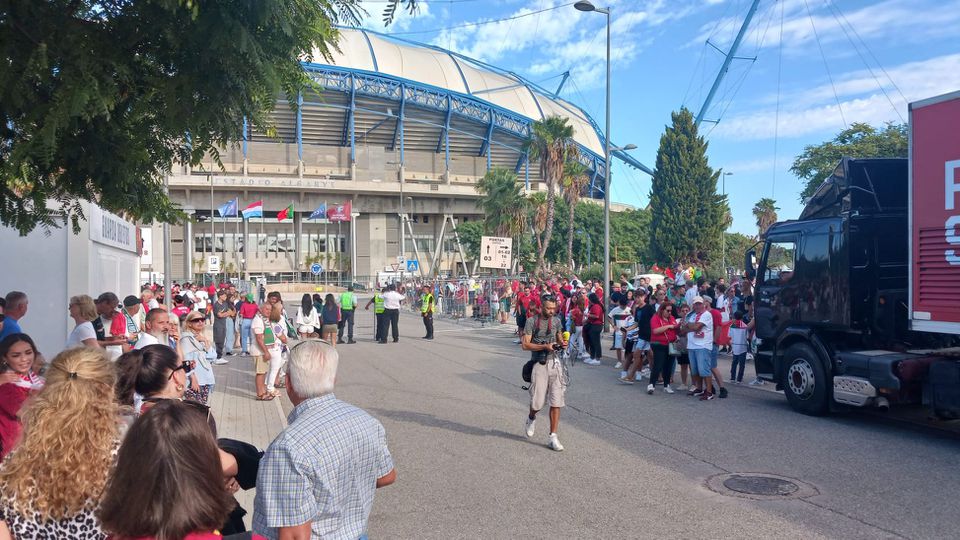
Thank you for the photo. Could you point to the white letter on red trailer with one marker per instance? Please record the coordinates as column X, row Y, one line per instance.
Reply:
column 953, row 238
column 951, row 180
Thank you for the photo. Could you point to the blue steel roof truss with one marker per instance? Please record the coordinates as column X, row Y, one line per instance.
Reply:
column 360, row 82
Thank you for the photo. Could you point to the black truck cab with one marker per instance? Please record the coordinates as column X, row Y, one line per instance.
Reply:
column 831, row 291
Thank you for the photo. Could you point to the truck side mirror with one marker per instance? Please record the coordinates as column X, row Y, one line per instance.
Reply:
column 750, row 263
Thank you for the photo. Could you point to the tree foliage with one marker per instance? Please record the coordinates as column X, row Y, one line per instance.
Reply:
column 687, row 213
column 766, row 213
column 503, row 203
column 574, row 180
column 551, row 144
column 99, row 98
column 818, row 161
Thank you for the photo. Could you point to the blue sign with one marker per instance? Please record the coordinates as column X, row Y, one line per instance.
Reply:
column 412, row 266
column 316, row 268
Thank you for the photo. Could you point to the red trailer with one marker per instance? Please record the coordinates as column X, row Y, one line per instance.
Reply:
column 935, row 214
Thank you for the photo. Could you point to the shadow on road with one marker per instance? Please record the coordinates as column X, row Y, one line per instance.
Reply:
column 429, row 420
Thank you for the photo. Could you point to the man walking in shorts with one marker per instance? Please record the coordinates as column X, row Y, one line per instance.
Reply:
column 542, row 335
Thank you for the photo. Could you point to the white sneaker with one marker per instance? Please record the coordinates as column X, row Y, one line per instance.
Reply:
column 756, row 382
column 638, row 377
column 593, row 362
column 649, row 388
column 667, row 389
column 618, row 365
column 555, row 443
column 645, row 372
column 220, row 361
column 531, row 426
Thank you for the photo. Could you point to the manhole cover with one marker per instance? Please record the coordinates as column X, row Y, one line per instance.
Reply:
column 762, row 486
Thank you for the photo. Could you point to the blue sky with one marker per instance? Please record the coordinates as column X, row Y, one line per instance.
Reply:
column 870, row 56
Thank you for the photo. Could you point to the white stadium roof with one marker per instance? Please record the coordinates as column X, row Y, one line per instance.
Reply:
column 372, row 52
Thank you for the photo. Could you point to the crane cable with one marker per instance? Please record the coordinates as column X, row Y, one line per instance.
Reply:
column 825, row 64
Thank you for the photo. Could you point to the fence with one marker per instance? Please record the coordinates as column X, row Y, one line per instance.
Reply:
column 484, row 300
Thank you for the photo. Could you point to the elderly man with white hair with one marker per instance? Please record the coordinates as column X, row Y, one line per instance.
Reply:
column 318, row 477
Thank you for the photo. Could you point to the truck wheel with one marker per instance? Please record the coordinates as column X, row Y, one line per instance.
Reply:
column 805, row 380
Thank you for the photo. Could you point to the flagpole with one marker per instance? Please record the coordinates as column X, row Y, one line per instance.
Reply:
column 339, row 258
column 296, row 241
column 213, row 221
column 326, row 243
column 236, row 238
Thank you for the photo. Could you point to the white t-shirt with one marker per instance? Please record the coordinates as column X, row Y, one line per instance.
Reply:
column 113, row 351
column 722, row 306
column 81, row 332
column 738, row 337
column 391, row 300
column 153, row 303
column 702, row 339
column 144, row 340
column 256, row 327
column 201, row 303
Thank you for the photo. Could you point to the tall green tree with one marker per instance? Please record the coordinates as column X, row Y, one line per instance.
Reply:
column 98, row 98
column 766, row 213
column 574, row 180
column 551, row 144
column 686, row 210
column 503, row 203
column 818, row 161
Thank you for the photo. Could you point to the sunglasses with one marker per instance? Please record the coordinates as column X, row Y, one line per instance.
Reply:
column 176, row 369
column 194, row 320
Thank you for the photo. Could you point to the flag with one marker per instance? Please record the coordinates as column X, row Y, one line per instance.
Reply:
column 285, row 213
column 229, row 208
column 254, row 210
column 339, row 212
column 320, row 212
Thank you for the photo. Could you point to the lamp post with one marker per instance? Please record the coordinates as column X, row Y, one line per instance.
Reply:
column 586, row 5
column 723, row 233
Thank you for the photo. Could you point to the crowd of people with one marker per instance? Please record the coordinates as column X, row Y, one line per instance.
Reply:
column 113, row 437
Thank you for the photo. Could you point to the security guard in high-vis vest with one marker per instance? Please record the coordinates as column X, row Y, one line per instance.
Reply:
column 377, row 302
column 348, row 302
column 426, row 310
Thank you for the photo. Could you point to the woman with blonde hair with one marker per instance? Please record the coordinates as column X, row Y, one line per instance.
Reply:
column 51, row 484
column 83, row 311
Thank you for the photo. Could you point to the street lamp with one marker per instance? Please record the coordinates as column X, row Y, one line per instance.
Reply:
column 723, row 233
column 586, row 5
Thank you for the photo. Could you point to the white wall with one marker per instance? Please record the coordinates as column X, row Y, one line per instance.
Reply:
column 52, row 268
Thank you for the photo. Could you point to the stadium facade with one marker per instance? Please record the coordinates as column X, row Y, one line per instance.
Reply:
column 402, row 132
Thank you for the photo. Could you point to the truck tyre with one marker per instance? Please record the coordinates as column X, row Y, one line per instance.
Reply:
column 805, row 380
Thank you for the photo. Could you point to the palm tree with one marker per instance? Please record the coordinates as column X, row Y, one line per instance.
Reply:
column 550, row 143
column 574, row 180
column 537, row 210
column 766, row 213
column 503, row 204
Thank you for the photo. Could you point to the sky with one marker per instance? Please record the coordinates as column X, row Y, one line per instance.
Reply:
column 820, row 65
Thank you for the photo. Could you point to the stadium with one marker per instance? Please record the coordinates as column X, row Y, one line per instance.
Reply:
column 397, row 138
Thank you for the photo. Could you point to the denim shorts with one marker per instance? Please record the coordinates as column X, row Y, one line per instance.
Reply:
column 700, row 361
column 642, row 345
column 713, row 355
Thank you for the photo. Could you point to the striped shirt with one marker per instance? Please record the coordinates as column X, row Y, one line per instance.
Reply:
column 323, row 469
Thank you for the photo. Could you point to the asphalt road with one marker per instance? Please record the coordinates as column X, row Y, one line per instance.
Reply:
column 635, row 466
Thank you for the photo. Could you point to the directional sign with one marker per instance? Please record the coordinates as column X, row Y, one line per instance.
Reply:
column 213, row 264
column 395, row 266
column 316, row 268
column 496, row 252
column 412, row 266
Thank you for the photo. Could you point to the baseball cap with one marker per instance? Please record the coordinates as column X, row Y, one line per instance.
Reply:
column 130, row 301
column 698, row 300
column 707, row 299
column 250, row 297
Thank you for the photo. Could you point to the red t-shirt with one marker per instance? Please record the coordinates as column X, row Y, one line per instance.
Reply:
column 576, row 315
column 524, row 300
column 191, row 536
column 12, row 398
column 666, row 337
column 595, row 314
column 248, row 310
column 118, row 325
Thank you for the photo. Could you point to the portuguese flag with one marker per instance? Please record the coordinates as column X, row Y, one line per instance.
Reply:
column 285, row 213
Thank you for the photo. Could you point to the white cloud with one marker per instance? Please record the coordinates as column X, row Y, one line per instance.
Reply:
column 564, row 38
column 815, row 109
column 892, row 20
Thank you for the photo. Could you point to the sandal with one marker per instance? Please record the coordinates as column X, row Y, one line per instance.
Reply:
column 265, row 397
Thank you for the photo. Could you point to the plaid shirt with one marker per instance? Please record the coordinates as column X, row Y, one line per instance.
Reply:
column 322, row 468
